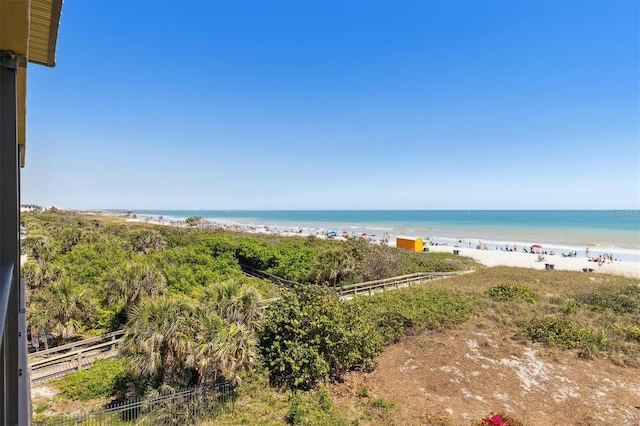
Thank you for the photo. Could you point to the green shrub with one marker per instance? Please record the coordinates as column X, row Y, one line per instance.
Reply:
column 617, row 299
column 630, row 332
column 314, row 408
column 256, row 253
column 41, row 418
column 41, row 408
column 381, row 403
column 309, row 336
column 363, row 392
column 396, row 312
column 93, row 251
column 559, row 332
column 393, row 325
column 103, row 379
column 505, row 292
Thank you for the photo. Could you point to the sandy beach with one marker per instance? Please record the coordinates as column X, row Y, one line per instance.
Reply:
column 488, row 258
column 528, row 260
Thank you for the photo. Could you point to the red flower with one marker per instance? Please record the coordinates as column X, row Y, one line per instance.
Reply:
column 496, row 421
column 500, row 420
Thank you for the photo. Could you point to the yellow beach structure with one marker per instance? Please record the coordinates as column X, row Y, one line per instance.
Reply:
column 409, row 243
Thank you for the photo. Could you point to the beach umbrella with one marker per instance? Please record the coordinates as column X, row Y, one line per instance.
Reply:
column 536, row 246
column 364, row 234
column 372, row 235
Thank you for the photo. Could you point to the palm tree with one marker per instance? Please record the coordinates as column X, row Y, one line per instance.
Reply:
column 234, row 301
column 157, row 339
column 177, row 342
column 147, row 240
column 203, row 355
column 333, row 265
column 135, row 280
column 236, row 351
column 61, row 307
column 39, row 275
column 67, row 238
column 222, row 349
column 40, row 247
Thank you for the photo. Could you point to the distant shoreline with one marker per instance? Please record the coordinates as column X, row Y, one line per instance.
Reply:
column 495, row 253
column 615, row 232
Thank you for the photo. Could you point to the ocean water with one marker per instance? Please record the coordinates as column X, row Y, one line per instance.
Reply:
column 603, row 231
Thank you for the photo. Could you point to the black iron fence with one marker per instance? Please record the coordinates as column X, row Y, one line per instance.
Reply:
column 176, row 408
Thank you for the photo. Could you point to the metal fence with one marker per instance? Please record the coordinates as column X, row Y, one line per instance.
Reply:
column 177, row 408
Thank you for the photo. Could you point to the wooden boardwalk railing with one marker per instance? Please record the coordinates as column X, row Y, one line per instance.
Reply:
column 43, row 367
column 370, row 287
column 70, row 346
column 65, row 359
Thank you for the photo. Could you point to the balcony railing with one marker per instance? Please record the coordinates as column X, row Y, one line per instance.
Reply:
column 6, row 277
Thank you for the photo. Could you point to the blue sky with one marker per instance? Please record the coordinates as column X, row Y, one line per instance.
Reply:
column 338, row 105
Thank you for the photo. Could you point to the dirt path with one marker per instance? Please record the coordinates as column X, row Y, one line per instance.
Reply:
column 459, row 376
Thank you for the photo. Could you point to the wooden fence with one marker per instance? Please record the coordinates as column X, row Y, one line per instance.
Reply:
column 68, row 360
column 371, row 287
column 43, row 366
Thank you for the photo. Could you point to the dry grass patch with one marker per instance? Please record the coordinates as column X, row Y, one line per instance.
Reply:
column 595, row 314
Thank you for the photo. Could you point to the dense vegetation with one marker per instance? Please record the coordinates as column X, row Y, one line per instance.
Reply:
column 105, row 378
column 101, row 268
column 309, row 336
column 191, row 314
column 189, row 311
